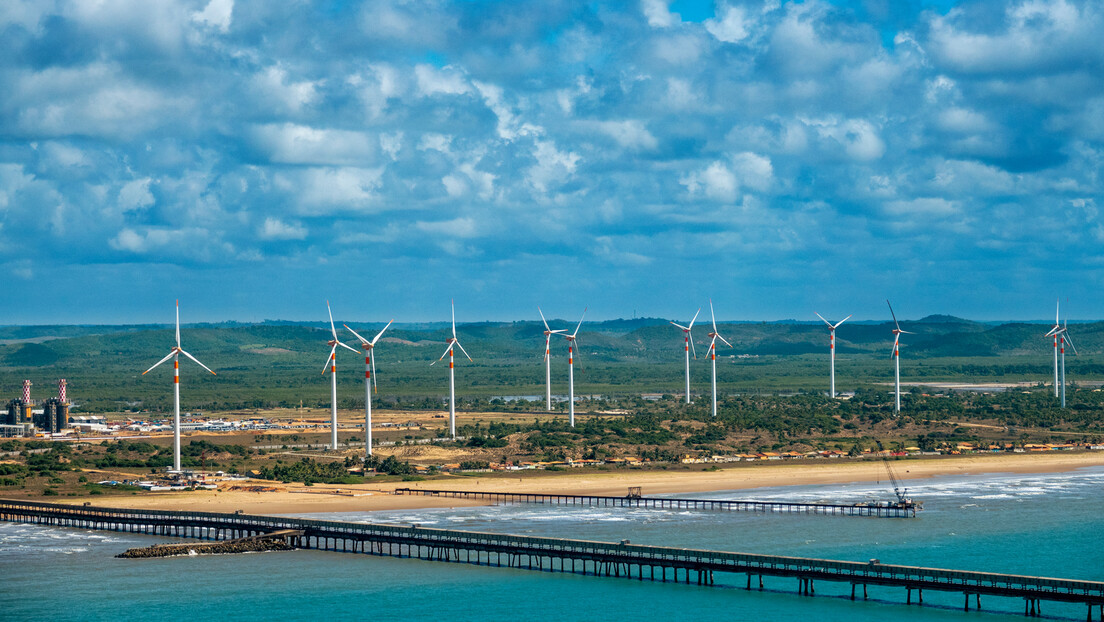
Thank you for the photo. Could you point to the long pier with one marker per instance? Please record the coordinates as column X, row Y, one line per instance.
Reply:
column 630, row 561
column 839, row 509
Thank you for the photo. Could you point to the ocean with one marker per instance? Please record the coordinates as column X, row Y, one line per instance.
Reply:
column 1040, row 524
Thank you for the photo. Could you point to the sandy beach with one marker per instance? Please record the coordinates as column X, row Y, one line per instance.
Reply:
column 296, row 499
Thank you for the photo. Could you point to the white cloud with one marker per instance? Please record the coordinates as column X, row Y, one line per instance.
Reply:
column 553, row 166
column 964, row 121
column 509, row 127
column 217, row 14
column 922, row 206
column 732, row 25
column 630, row 134
column 858, row 137
column 657, row 13
column 276, row 87
column 444, row 81
column 723, row 181
column 326, row 190
column 12, row 180
column 299, row 144
column 135, row 195
column 276, row 229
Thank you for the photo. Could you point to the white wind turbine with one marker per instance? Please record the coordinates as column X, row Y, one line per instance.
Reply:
column 1061, row 333
column 689, row 346
column 572, row 349
column 452, row 341
column 1054, row 333
column 174, row 354
column 832, row 347
column 897, row 332
column 714, row 336
column 369, row 383
column 548, row 358
column 331, row 364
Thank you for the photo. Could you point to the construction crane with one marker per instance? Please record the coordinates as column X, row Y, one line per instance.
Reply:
column 903, row 499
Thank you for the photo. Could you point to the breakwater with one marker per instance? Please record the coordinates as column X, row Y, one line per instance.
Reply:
column 274, row 541
column 886, row 510
column 626, row 560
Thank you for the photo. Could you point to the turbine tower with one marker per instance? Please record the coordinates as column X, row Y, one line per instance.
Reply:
column 832, row 348
column 331, row 364
column 452, row 341
column 572, row 350
column 714, row 336
column 1061, row 333
column 1054, row 331
column 369, row 384
column 689, row 346
column 897, row 332
column 174, row 354
column 548, row 358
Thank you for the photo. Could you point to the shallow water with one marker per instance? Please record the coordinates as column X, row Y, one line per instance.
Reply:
column 1047, row 524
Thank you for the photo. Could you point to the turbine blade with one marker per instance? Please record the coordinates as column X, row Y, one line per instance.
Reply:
column 896, row 341
column 355, row 334
column 692, row 347
column 841, row 321
column 823, row 320
column 686, row 328
column 1070, row 342
column 692, row 320
column 463, row 350
column 375, row 383
column 332, row 329
column 724, row 340
column 196, row 361
column 380, row 334
column 894, row 315
column 178, row 323
column 443, row 355
column 1057, row 302
column 712, row 316
column 580, row 322
column 542, row 318
column 350, row 349
column 329, row 359
column 453, row 303
column 169, row 356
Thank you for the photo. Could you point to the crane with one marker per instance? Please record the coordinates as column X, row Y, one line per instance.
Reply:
column 903, row 499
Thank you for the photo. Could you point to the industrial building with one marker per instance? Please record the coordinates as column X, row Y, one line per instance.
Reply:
column 22, row 419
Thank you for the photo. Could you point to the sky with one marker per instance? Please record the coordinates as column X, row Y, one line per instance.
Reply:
column 637, row 158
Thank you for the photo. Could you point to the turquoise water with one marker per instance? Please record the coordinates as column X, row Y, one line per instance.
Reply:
column 1050, row 524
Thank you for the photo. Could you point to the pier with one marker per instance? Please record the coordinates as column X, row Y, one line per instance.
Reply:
column 633, row 501
column 625, row 560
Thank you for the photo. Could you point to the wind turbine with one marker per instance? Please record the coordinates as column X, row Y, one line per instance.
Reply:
column 832, row 347
column 897, row 332
column 571, row 350
column 1054, row 333
column 369, row 382
column 548, row 358
column 331, row 363
column 689, row 346
column 452, row 341
column 174, row 354
column 714, row 336
column 1061, row 333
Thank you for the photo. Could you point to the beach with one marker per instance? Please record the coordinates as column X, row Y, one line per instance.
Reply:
column 369, row 497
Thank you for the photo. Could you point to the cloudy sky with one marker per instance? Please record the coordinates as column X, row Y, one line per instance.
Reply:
column 256, row 158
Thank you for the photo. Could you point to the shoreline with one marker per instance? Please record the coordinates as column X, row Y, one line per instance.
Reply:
column 375, row 497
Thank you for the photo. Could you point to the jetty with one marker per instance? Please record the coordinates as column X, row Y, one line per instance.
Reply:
column 273, row 541
column 606, row 559
column 631, row 500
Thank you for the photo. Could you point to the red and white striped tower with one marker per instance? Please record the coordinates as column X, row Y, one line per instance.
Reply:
column 174, row 354
column 27, row 392
column 571, row 371
column 452, row 342
column 832, row 348
column 1054, row 332
column 62, row 393
column 714, row 336
column 369, row 368
column 331, row 364
column 897, row 332
column 689, row 345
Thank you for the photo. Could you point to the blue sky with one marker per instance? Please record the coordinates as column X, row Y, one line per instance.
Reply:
column 255, row 159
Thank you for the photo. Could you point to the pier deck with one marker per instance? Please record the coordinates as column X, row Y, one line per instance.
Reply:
column 656, row 563
column 838, row 509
